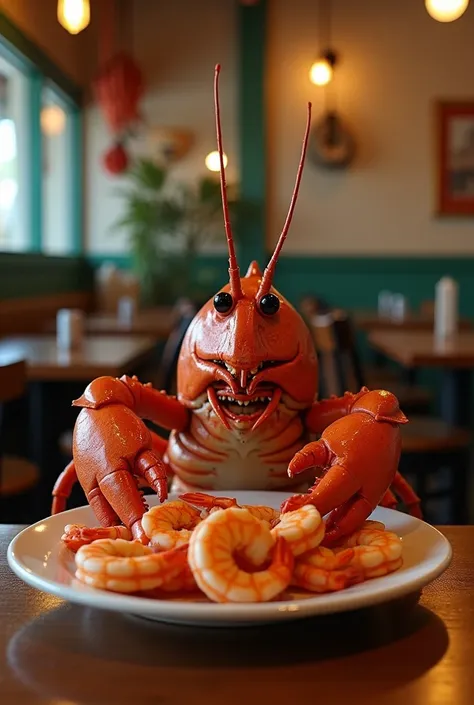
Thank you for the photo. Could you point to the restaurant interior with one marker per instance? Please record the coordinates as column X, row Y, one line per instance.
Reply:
column 111, row 228
column 194, row 196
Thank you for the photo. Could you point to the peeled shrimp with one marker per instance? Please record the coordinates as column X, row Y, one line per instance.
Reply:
column 214, row 549
column 212, row 504
column 170, row 525
column 322, row 570
column 375, row 552
column 77, row 535
column 368, row 553
column 127, row 566
column 183, row 582
column 303, row 529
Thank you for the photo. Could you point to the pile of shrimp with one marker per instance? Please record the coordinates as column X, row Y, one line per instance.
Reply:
column 225, row 552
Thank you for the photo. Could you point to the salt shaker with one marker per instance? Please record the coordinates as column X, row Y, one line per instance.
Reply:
column 446, row 308
column 385, row 304
column 126, row 310
column 398, row 307
column 69, row 328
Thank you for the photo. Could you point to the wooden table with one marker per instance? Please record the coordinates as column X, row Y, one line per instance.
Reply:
column 455, row 358
column 98, row 355
column 156, row 322
column 49, row 372
column 370, row 321
column 401, row 653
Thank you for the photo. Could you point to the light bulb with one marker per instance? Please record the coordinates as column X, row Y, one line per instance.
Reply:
column 53, row 120
column 74, row 15
column 213, row 162
column 446, row 10
column 320, row 72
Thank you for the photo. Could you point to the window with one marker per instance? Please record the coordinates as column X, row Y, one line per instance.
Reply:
column 57, row 183
column 14, row 157
column 40, row 151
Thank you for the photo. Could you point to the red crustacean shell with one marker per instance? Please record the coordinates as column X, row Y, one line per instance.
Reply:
column 118, row 89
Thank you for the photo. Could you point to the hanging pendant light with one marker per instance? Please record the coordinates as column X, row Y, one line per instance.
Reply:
column 74, row 15
column 446, row 10
column 321, row 71
column 213, row 162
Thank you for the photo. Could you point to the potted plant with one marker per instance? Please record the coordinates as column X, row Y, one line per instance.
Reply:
column 168, row 223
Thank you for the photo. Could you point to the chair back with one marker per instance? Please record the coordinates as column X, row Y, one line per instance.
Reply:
column 13, row 380
column 169, row 361
column 340, row 369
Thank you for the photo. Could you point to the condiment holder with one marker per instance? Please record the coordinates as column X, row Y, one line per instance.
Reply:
column 69, row 328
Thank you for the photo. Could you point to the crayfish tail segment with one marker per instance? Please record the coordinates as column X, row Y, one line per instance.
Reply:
column 207, row 501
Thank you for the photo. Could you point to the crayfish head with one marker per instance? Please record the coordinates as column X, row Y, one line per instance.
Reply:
column 247, row 353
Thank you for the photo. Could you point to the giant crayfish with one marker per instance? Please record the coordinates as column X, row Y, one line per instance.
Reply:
column 243, row 416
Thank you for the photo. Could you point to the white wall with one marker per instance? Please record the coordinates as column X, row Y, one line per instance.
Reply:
column 395, row 62
column 177, row 46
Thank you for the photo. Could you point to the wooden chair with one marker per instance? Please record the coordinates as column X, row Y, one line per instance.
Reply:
column 169, row 360
column 430, row 447
column 353, row 375
column 18, row 476
column 311, row 305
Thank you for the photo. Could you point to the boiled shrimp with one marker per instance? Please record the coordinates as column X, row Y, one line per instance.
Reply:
column 323, row 570
column 303, row 529
column 375, row 552
column 170, row 525
column 211, row 504
column 183, row 582
column 77, row 535
column 214, row 550
column 127, row 566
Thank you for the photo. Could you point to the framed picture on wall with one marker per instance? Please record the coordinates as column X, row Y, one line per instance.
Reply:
column 455, row 147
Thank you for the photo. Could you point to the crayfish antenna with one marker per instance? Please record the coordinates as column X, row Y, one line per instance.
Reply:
column 269, row 272
column 234, row 272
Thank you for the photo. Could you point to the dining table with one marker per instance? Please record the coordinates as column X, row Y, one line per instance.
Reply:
column 416, row 649
column 53, row 373
column 157, row 322
column 370, row 320
column 453, row 356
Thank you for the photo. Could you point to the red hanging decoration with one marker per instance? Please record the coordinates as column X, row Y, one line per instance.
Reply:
column 116, row 160
column 118, row 89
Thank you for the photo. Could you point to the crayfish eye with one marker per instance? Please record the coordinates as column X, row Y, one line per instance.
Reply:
column 269, row 304
column 223, row 302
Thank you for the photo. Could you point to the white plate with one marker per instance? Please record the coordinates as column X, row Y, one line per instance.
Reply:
column 37, row 556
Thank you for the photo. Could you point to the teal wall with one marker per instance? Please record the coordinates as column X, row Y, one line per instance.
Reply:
column 348, row 282
column 26, row 275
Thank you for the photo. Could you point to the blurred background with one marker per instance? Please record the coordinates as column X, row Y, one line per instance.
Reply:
column 111, row 229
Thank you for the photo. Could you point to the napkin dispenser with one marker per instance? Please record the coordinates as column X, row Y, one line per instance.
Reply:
column 446, row 308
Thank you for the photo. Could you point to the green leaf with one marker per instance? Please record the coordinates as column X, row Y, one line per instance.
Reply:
column 148, row 174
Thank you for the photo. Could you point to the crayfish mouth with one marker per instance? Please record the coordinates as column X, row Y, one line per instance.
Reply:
column 244, row 408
